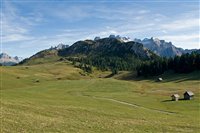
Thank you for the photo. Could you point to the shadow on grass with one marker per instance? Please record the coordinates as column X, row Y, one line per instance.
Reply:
column 171, row 77
column 168, row 76
column 181, row 99
column 167, row 101
column 109, row 76
column 122, row 75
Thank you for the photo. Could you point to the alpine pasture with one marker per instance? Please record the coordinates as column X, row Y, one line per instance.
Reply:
column 65, row 100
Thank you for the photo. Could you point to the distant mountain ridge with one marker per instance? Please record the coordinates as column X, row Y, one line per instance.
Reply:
column 115, row 46
column 124, row 39
column 163, row 48
column 60, row 46
column 110, row 46
column 111, row 53
column 7, row 60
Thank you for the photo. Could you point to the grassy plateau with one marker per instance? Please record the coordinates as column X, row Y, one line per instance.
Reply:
column 58, row 98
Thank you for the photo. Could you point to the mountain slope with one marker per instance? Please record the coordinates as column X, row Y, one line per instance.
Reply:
column 107, row 54
column 107, row 47
column 44, row 56
column 112, row 53
column 48, row 55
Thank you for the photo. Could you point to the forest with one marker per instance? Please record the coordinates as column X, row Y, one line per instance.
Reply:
column 185, row 63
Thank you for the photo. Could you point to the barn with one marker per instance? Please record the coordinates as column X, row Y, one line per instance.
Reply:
column 188, row 95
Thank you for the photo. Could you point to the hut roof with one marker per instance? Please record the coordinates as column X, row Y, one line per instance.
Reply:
column 189, row 93
column 175, row 95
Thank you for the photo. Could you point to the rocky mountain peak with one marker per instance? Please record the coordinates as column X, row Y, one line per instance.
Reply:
column 7, row 60
column 161, row 47
column 121, row 38
column 97, row 38
column 4, row 55
column 61, row 46
column 157, row 41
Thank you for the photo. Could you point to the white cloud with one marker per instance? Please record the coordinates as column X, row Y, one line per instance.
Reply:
column 70, row 14
column 187, row 41
column 188, row 37
column 16, row 37
column 16, row 27
column 181, row 24
column 143, row 11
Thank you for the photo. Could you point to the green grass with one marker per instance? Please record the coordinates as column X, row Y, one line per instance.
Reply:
column 77, row 103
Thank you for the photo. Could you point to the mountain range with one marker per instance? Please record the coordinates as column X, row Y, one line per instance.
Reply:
column 163, row 48
column 7, row 60
column 109, row 46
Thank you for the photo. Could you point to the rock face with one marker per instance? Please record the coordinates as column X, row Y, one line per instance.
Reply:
column 120, row 38
column 97, row 38
column 7, row 60
column 124, row 39
column 162, row 48
column 61, row 46
column 111, row 46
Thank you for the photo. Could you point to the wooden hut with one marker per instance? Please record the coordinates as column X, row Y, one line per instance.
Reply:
column 175, row 97
column 188, row 95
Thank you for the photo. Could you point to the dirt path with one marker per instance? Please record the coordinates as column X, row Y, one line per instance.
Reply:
column 122, row 102
column 134, row 105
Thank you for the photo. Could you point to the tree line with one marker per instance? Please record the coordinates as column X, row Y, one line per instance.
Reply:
column 185, row 63
column 107, row 63
column 179, row 64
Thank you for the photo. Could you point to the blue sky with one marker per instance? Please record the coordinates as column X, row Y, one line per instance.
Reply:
column 29, row 26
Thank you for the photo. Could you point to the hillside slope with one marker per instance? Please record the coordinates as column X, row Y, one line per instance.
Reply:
column 107, row 47
column 45, row 56
column 105, row 54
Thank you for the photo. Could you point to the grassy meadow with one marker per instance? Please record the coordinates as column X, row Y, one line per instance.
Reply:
column 60, row 98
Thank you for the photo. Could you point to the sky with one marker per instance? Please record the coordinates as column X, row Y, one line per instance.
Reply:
column 28, row 26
